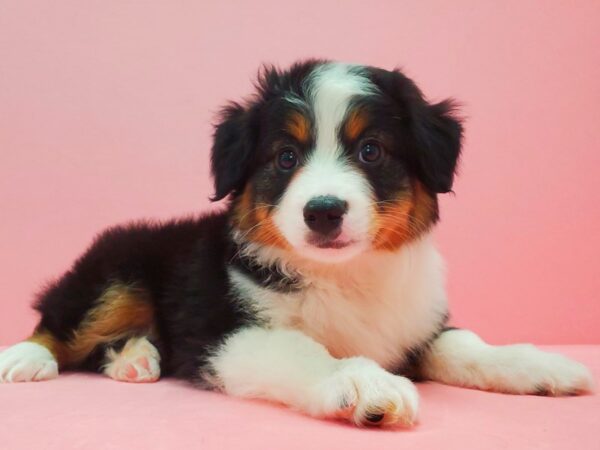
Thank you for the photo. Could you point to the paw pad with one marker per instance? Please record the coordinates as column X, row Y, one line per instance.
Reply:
column 138, row 362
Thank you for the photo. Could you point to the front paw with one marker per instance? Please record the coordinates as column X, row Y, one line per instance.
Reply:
column 557, row 375
column 366, row 394
column 537, row 372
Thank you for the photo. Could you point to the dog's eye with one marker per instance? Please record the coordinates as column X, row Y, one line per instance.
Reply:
column 287, row 158
column 370, row 152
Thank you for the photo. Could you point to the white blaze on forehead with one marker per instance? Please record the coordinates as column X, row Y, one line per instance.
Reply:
column 331, row 88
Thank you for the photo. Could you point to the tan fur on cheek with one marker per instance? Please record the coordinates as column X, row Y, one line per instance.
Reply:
column 392, row 224
column 267, row 232
column 243, row 210
column 425, row 211
column 255, row 223
column 401, row 221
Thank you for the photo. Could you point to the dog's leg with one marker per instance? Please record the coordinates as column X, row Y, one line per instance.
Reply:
column 288, row 367
column 137, row 362
column 27, row 361
column 461, row 358
column 59, row 342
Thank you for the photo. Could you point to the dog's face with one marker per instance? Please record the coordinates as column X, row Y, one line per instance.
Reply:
column 329, row 160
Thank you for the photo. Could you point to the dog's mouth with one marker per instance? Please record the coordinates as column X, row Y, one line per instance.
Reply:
column 333, row 242
column 334, row 245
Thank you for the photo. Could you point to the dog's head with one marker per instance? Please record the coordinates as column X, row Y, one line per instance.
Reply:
column 329, row 160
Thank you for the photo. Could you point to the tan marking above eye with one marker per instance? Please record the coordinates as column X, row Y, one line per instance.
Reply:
column 355, row 124
column 298, row 126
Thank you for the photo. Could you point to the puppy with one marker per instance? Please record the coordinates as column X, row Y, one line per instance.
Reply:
column 318, row 286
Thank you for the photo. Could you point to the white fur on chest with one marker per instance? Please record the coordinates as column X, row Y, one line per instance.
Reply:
column 379, row 306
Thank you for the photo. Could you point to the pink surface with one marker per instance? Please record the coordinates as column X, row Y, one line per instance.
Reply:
column 105, row 110
column 93, row 412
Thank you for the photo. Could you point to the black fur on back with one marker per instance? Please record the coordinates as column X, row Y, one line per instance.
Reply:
column 180, row 264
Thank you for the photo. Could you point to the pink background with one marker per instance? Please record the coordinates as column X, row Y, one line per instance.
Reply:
column 105, row 111
column 89, row 412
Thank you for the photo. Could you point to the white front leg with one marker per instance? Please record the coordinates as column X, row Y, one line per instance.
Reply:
column 289, row 367
column 461, row 358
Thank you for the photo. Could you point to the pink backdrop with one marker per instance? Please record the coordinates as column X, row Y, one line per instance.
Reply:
column 105, row 111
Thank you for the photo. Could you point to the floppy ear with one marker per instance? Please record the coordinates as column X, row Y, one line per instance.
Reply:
column 438, row 136
column 434, row 130
column 233, row 147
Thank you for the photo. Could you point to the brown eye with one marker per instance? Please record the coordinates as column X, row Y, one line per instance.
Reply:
column 370, row 152
column 287, row 159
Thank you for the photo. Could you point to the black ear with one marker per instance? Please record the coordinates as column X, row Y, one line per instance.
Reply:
column 435, row 131
column 233, row 147
column 438, row 136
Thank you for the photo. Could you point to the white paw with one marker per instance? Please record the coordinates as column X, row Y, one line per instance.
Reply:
column 137, row 362
column 529, row 370
column 554, row 374
column 27, row 361
column 366, row 394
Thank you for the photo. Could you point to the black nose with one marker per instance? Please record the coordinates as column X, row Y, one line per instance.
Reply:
column 323, row 214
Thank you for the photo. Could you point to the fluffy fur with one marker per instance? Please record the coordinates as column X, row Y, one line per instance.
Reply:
column 319, row 285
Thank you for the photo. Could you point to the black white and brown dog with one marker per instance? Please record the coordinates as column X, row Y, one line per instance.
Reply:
column 318, row 286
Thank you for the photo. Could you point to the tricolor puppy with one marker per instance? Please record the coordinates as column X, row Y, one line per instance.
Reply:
column 319, row 286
